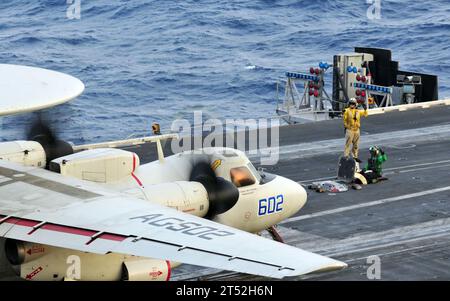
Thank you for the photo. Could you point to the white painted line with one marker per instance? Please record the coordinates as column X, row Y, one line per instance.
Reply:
column 317, row 179
column 310, row 276
column 335, row 146
column 423, row 105
column 369, row 204
column 389, row 169
column 417, row 165
column 434, row 244
column 385, row 245
column 421, row 168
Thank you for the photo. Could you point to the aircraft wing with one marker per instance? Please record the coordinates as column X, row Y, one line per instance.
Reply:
column 43, row 207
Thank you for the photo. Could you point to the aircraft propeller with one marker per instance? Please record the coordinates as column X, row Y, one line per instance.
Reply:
column 222, row 194
column 42, row 132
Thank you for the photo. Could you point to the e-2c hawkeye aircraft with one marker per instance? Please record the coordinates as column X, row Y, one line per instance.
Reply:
column 96, row 204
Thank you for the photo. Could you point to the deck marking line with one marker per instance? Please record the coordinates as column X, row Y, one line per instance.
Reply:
column 369, row 204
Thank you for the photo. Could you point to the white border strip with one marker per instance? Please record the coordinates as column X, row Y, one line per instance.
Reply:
column 422, row 105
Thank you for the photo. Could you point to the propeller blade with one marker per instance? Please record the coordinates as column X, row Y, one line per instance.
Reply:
column 222, row 194
column 42, row 132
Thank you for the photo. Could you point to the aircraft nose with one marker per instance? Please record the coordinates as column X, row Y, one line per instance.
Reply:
column 297, row 196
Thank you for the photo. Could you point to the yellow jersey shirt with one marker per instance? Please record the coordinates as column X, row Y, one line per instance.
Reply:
column 352, row 118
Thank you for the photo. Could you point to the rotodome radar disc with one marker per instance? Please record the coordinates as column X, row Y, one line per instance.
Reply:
column 25, row 89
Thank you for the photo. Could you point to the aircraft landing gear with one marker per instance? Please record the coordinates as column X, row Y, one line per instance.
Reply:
column 275, row 235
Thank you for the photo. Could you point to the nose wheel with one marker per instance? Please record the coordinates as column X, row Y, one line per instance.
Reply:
column 275, row 235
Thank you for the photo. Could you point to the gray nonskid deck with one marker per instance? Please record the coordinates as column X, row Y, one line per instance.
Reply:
column 404, row 220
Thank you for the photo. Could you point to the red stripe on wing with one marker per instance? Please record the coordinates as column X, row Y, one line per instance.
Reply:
column 115, row 237
column 21, row 222
column 62, row 229
column 70, row 230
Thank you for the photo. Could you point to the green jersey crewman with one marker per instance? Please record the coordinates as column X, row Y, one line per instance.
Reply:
column 373, row 170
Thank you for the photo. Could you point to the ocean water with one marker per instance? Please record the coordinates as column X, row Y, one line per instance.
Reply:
column 146, row 61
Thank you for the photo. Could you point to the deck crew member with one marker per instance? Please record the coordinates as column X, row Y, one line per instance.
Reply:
column 352, row 124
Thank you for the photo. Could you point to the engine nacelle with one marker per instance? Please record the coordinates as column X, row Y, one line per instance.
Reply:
column 185, row 196
column 102, row 165
column 20, row 252
column 28, row 153
column 47, row 263
column 146, row 270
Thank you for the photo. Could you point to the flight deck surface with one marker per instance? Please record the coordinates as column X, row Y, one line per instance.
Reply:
column 405, row 220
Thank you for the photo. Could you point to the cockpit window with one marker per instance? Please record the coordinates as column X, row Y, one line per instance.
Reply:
column 254, row 172
column 241, row 176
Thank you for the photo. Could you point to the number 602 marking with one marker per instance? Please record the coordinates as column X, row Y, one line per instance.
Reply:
column 270, row 205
